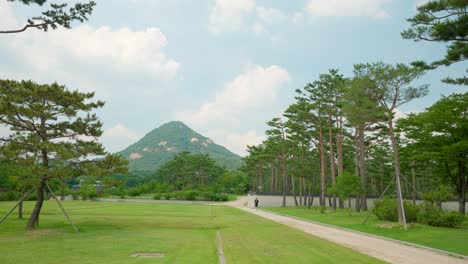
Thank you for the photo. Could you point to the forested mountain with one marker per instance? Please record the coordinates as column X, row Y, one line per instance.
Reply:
column 163, row 143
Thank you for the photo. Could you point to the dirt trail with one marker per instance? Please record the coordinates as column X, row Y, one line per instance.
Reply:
column 390, row 251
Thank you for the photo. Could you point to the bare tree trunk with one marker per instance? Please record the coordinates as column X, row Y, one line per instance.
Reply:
column 33, row 222
column 382, row 175
column 362, row 168
column 323, row 177
column 20, row 205
column 284, row 178
column 300, row 191
column 356, row 164
column 332, row 158
column 261, row 176
column 339, row 150
column 294, row 191
column 272, row 183
column 396, row 158
column 413, row 175
column 462, row 186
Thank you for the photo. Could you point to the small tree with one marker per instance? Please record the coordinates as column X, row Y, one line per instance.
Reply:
column 347, row 186
column 51, row 125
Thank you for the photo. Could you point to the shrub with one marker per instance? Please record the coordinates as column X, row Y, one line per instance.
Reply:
column 220, row 197
column 9, row 196
column 157, row 196
column 191, row 195
column 134, row 191
column 438, row 196
column 434, row 216
column 32, row 196
column 179, row 195
column 387, row 209
column 74, row 195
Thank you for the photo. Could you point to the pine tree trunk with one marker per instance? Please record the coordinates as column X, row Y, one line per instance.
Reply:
column 362, row 168
column 323, row 179
column 300, row 191
column 413, row 175
column 339, row 150
column 332, row 158
column 396, row 159
column 33, row 222
column 462, row 186
column 272, row 182
column 284, row 180
column 294, row 191
column 261, row 176
column 356, row 165
column 20, row 205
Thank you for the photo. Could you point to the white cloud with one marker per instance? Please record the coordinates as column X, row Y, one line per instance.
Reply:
column 119, row 137
column 7, row 20
column 122, row 50
column 238, row 142
column 229, row 15
column 244, row 100
column 270, row 16
column 257, row 87
column 348, row 8
column 243, row 15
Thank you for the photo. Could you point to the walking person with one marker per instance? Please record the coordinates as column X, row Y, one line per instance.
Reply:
column 256, row 202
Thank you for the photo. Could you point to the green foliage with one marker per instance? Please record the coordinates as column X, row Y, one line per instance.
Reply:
column 347, row 185
column 435, row 216
column 442, row 21
column 192, row 195
column 162, row 144
column 235, row 182
column 88, row 191
column 387, row 209
column 439, row 135
column 441, row 194
column 9, row 196
column 189, row 171
column 56, row 16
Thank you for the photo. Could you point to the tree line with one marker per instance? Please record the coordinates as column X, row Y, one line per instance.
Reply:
column 340, row 125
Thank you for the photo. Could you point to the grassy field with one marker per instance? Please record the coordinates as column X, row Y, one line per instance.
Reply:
column 449, row 239
column 111, row 232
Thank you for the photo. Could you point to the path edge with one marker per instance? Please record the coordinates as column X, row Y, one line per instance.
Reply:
column 440, row 251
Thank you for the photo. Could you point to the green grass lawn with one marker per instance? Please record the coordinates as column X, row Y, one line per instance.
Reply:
column 449, row 239
column 111, row 232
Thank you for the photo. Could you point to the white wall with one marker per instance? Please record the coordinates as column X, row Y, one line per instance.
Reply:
column 277, row 201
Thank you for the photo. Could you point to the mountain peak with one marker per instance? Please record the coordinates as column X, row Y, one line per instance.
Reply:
column 161, row 144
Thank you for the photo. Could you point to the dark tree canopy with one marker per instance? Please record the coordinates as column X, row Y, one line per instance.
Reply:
column 442, row 21
column 57, row 16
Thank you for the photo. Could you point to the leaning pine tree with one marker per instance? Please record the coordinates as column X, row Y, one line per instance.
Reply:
column 51, row 123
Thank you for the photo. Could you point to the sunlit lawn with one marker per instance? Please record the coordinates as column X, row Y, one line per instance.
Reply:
column 449, row 239
column 111, row 232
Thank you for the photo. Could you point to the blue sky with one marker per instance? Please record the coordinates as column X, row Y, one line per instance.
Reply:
column 224, row 67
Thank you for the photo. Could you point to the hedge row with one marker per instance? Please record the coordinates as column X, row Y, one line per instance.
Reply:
column 192, row 195
column 425, row 213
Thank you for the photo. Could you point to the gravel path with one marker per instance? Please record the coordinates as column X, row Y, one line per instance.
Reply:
column 390, row 251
